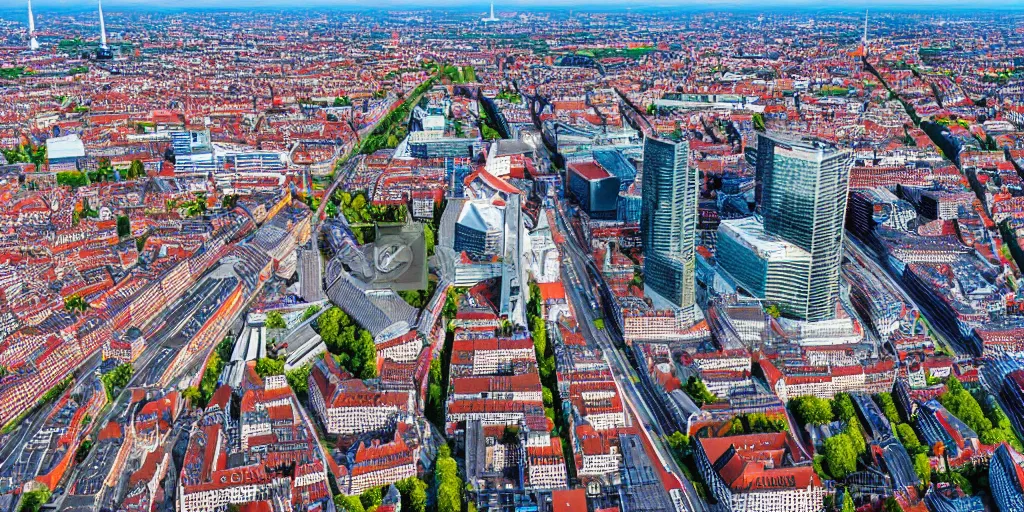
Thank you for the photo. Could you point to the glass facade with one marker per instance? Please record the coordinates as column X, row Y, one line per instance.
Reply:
column 764, row 266
column 804, row 184
column 668, row 220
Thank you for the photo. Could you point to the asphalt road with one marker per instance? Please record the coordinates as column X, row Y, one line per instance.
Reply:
column 638, row 397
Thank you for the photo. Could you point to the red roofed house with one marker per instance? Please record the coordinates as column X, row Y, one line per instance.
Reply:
column 346, row 405
column 753, row 473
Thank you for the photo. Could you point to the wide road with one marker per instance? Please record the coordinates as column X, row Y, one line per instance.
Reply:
column 636, row 396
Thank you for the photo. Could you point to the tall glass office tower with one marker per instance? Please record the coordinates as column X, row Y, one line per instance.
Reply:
column 804, row 185
column 668, row 222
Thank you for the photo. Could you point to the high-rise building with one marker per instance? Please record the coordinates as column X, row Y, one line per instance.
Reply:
column 1006, row 479
column 668, row 222
column 33, row 43
column 804, row 183
column 763, row 266
column 104, row 52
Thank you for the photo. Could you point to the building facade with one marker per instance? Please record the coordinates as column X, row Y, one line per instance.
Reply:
column 803, row 193
column 668, row 222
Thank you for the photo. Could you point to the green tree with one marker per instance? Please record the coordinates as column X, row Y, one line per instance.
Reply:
column 124, row 226
column 348, row 503
column 266, row 367
column 856, row 435
column 75, row 302
column 429, row 239
column 298, row 379
column 819, row 467
column 192, row 394
column 891, row 505
column 371, row 497
column 842, row 407
column 136, row 170
column 310, row 311
column 698, row 391
column 83, row 450
column 758, row 120
column 117, row 379
column 841, row 456
column 414, row 494
column 848, row 502
column 275, row 321
column 33, row 501
column 908, row 437
column 329, row 325
column 678, row 441
column 923, row 468
column 365, row 356
column 888, row 406
column 812, row 410
column 447, row 481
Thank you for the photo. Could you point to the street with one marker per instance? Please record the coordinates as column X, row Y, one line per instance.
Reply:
column 639, row 399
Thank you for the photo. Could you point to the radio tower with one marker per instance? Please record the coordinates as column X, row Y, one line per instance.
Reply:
column 491, row 17
column 104, row 52
column 864, row 38
column 103, row 28
column 33, row 44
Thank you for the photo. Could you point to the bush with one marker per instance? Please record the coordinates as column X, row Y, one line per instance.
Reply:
column 275, row 321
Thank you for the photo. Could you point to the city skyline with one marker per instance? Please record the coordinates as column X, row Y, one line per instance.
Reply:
column 511, row 257
column 476, row 6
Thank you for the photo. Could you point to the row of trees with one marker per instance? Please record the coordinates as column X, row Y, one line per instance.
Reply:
column 449, row 484
column 117, row 379
column 548, row 378
column 990, row 422
column 841, row 450
column 392, row 129
column 412, row 489
column 208, row 383
column 757, row 423
column 351, row 345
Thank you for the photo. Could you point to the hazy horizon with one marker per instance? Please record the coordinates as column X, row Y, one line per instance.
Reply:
column 42, row 6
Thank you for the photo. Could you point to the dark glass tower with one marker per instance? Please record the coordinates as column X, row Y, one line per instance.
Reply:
column 804, row 185
column 668, row 222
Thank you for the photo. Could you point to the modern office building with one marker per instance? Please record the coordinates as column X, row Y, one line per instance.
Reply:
column 1006, row 478
column 763, row 266
column 595, row 189
column 479, row 230
column 803, row 185
column 668, row 222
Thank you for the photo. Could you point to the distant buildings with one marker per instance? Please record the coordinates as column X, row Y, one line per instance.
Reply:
column 668, row 223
